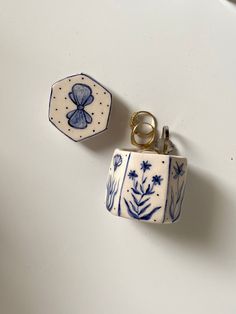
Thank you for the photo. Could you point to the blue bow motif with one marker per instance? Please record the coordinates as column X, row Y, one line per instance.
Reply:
column 81, row 95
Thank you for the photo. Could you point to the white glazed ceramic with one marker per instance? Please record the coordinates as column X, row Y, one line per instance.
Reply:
column 146, row 186
column 79, row 107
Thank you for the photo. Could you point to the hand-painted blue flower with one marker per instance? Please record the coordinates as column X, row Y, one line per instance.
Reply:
column 117, row 161
column 145, row 165
column 81, row 95
column 112, row 189
column 178, row 170
column 132, row 174
column 157, row 180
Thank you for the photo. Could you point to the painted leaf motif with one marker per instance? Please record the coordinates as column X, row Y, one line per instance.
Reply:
column 149, row 215
column 135, row 191
column 141, row 188
column 112, row 188
column 143, row 202
column 180, row 206
column 171, row 207
column 180, row 192
column 133, row 207
column 144, row 209
column 131, row 213
column 145, row 179
column 135, row 199
column 148, row 189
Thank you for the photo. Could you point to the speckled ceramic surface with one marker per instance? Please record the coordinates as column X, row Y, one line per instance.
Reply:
column 79, row 107
column 146, row 186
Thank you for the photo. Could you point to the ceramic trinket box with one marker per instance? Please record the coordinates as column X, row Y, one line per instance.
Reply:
column 146, row 185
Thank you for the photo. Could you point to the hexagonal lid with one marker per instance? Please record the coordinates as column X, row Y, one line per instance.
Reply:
column 79, row 107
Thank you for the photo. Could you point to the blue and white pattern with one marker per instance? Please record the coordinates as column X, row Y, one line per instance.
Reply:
column 146, row 186
column 176, row 199
column 81, row 95
column 79, row 107
column 113, row 184
column 117, row 161
column 112, row 188
column 140, row 205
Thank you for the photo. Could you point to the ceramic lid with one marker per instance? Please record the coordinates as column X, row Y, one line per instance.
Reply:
column 79, row 107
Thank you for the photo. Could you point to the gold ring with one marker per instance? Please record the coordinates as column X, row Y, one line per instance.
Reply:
column 140, row 133
column 137, row 117
column 151, row 135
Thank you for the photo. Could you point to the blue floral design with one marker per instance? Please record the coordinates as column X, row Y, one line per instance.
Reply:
column 132, row 174
column 117, row 161
column 179, row 172
column 81, row 95
column 157, row 180
column 177, row 200
column 139, row 207
column 112, row 184
column 145, row 165
column 112, row 188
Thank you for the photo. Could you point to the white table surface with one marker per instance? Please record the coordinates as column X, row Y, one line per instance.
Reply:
column 61, row 251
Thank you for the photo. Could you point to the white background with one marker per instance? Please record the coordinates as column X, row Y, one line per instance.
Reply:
column 61, row 252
